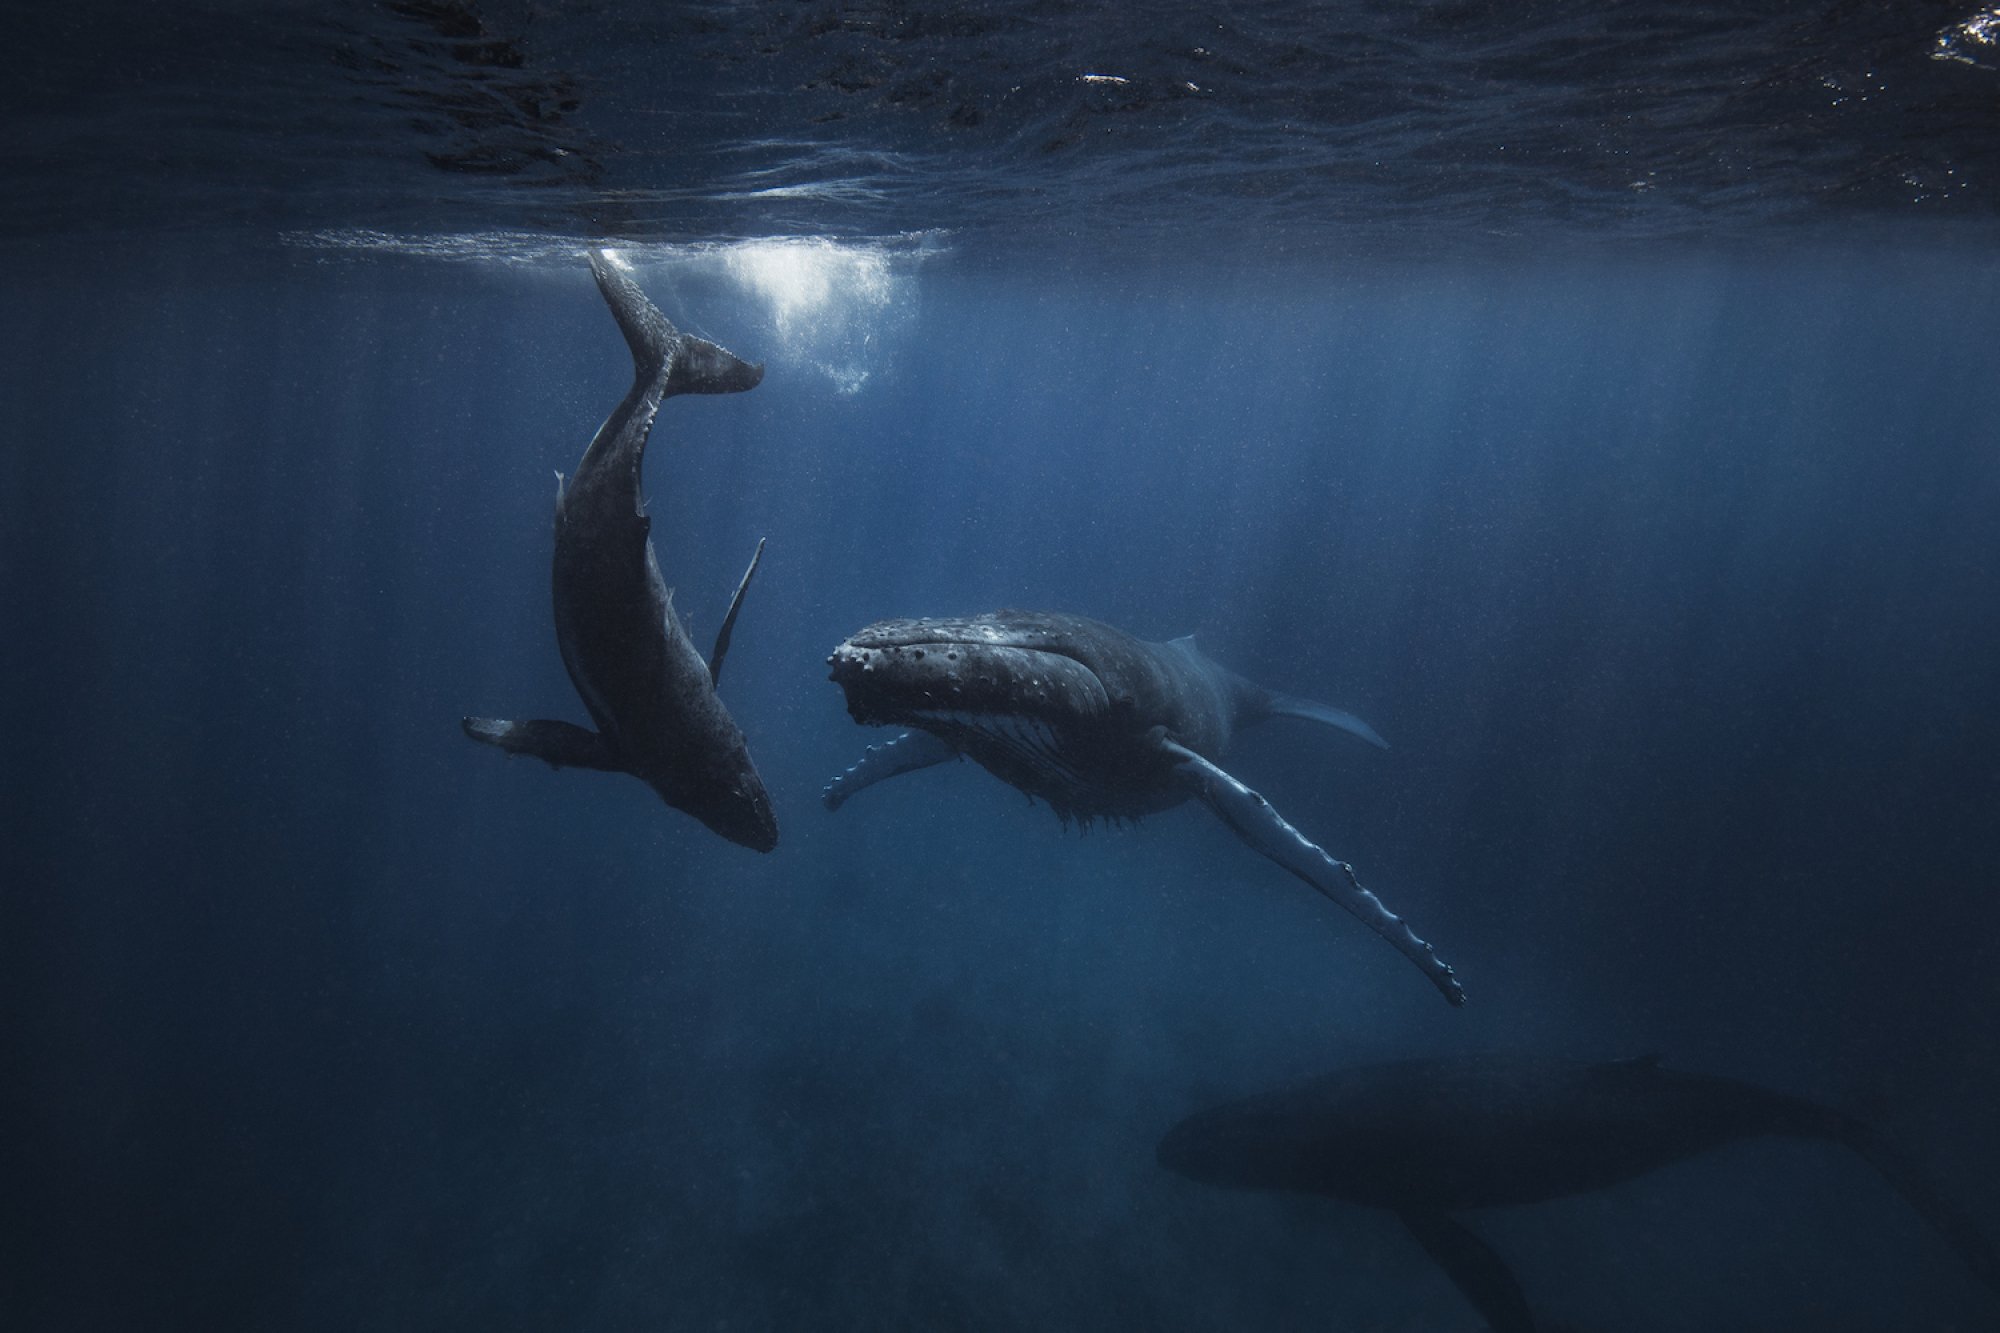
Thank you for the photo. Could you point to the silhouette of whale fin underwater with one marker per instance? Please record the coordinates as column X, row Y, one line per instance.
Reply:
column 1099, row 724
column 728, row 628
column 1426, row 1138
column 647, row 689
column 1474, row 1267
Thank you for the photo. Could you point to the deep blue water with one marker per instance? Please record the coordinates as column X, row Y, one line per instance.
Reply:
column 1669, row 573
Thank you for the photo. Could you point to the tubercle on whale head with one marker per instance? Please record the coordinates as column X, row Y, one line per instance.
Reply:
column 897, row 671
column 886, row 683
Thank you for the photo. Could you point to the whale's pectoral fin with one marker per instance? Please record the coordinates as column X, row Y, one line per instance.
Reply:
column 1480, row 1275
column 1254, row 821
column 557, row 744
column 903, row 754
column 1287, row 705
column 729, row 619
column 1951, row 1221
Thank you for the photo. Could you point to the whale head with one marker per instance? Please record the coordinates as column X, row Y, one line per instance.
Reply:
column 1233, row 1147
column 1018, row 692
column 937, row 674
column 722, row 789
column 741, row 812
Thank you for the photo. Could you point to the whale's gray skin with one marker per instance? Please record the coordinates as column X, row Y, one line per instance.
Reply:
column 1426, row 1138
column 1096, row 722
column 647, row 689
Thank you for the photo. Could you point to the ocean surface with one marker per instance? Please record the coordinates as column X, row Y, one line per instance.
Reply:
column 1598, row 399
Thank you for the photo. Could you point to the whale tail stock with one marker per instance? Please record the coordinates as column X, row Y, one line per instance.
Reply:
column 1482, row 1277
column 666, row 362
column 659, row 350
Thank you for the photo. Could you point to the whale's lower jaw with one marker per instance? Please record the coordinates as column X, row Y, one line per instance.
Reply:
column 1021, row 748
column 1037, row 757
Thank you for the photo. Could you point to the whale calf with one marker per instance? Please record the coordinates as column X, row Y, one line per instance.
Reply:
column 1426, row 1138
column 645, row 686
column 1096, row 722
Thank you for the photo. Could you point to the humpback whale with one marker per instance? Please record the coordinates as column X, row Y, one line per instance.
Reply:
column 641, row 679
column 1426, row 1138
column 1096, row 722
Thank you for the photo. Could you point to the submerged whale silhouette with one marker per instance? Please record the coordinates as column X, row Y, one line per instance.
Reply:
column 652, row 697
column 1426, row 1138
column 1097, row 723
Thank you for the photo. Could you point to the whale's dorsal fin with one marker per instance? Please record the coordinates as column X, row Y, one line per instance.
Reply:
column 729, row 619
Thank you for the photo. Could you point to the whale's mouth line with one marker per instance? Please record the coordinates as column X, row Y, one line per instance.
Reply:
column 983, row 719
column 1006, row 710
column 1027, row 739
column 935, row 716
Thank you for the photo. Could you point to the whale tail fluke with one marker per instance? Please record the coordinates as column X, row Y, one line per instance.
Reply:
column 557, row 744
column 699, row 366
column 688, row 364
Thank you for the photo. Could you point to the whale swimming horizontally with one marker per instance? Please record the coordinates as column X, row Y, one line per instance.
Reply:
column 1098, row 723
column 646, row 687
column 1427, row 1138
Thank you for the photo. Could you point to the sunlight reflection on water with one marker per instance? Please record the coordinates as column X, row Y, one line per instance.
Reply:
column 828, row 302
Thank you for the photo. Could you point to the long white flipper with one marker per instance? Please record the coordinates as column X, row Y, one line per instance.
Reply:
column 903, row 754
column 1266, row 830
column 1290, row 705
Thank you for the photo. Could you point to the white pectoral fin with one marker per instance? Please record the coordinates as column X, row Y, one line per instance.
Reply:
column 1288, row 705
column 1254, row 821
column 902, row 754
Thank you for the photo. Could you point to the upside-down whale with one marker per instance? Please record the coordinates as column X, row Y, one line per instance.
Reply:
column 1426, row 1138
column 1097, row 723
column 647, row 689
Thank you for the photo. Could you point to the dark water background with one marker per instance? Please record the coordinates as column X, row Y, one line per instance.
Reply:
column 1668, row 570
